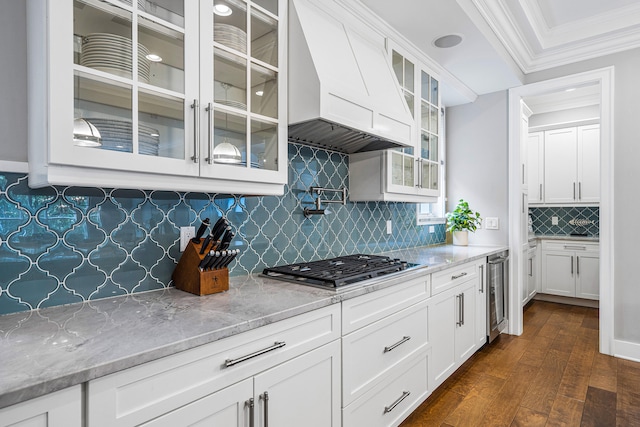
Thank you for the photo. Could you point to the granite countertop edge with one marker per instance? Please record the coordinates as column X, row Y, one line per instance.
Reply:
column 93, row 329
column 594, row 239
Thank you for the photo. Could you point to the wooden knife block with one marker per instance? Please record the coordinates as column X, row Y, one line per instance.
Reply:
column 188, row 277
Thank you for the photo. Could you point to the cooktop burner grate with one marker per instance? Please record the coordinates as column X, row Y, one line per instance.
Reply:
column 337, row 272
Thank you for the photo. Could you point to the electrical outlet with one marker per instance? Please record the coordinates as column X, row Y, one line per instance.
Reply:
column 491, row 223
column 432, row 229
column 186, row 234
column 389, row 227
column 554, row 220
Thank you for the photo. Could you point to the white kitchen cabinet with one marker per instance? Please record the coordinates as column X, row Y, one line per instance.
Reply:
column 531, row 284
column 60, row 409
column 406, row 174
column 143, row 393
column 535, row 167
column 570, row 269
column 452, row 329
column 482, row 303
column 571, row 165
column 158, row 96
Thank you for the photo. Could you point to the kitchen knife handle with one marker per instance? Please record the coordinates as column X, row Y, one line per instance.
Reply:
column 206, row 242
column 209, row 110
column 276, row 345
column 196, row 130
column 201, row 230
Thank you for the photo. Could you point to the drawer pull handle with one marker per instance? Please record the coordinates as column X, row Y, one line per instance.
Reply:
column 388, row 409
column 402, row 341
column 250, row 403
column 459, row 276
column 575, row 248
column 265, row 397
column 275, row 346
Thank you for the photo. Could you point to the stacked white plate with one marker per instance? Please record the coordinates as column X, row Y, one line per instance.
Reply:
column 113, row 54
column 230, row 36
column 117, row 135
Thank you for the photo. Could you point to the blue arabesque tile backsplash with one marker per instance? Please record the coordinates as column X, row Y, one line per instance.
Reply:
column 573, row 219
column 61, row 245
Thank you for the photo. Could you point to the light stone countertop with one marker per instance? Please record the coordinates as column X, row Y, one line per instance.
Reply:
column 594, row 239
column 53, row 348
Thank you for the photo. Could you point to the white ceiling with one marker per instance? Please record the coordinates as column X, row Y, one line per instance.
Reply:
column 503, row 40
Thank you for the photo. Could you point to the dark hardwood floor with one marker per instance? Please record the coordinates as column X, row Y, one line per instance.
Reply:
column 551, row 375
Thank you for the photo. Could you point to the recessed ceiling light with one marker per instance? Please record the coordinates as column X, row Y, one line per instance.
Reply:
column 222, row 9
column 447, row 41
column 153, row 57
column 260, row 93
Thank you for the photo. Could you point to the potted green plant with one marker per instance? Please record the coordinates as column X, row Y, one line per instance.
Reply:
column 461, row 221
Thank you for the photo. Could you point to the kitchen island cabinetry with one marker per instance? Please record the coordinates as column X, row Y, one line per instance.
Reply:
column 571, row 269
column 272, row 365
column 60, row 409
column 170, row 96
column 453, row 319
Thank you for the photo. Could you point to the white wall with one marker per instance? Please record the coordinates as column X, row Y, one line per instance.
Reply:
column 477, row 162
column 565, row 116
column 13, row 80
column 626, row 159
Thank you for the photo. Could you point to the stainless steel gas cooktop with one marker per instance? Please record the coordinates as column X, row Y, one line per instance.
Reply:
column 337, row 272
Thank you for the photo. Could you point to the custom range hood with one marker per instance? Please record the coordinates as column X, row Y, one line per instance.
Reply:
column 342, row 91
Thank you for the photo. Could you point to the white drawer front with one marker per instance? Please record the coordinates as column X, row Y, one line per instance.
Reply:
column 447, row 279
column 392, row 401
column 569, row 246
column 369, row 353
column 141, row 393
column 363, row 310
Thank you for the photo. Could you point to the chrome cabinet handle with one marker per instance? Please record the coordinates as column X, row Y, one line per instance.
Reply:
column 577, row 248
column 523, row 202
column 459, row 298
column 572, row 265
column 391, row 407
column 209, row 110
column 251, row 406
column 580, row 191
column 265, row 397
column 523, row 173
column 482, row 279
column 458, row 276
column 275, row 346
column 531, row 267
column 574, row 191
column 402, row 341
column 462, row 309
column 577, row 265
column 196, row 130
column 540, row 192
column 419, row 166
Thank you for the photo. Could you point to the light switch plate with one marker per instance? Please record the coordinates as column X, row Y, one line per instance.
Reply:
column 186, row 234
column 554, row 220
column 389, row 227
column 491, row 223
column 432, row 229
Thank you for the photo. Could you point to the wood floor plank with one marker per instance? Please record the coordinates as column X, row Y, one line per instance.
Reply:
column 525, row 417
column 575, row 380
column 599, row 408
column 566, row 412
column 543, row 390
column 537, row 351
column 470, row 411
column 433, row 412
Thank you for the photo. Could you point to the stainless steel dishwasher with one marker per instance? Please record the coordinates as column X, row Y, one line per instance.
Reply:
column 497, row 282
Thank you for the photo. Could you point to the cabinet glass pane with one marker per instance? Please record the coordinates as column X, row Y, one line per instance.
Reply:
column 397, row 168
column 230, row 79
column 425, row 145
column 398, row 69
column 433, row 119
column 434, row 91
column 435, row 180
column 408, row 171
column 161, row 126
column 264, row 145
column 161, row 51
column 168, row 10
column 425, row 174
column 102, row 113
column 409, row 100
column 270, row 5
column 424, row 116
column 103, row 38
column 229, row 138
column 264, row 37
column 408, row 75
column 425, row 91
column 264, row 91
column 230, row 24
column 433, row 151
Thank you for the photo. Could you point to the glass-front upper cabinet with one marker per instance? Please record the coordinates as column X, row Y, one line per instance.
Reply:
column 164, row 90
column 243, row 83
column 416, row 170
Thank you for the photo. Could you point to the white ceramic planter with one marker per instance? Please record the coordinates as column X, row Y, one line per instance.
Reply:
column 461, row 238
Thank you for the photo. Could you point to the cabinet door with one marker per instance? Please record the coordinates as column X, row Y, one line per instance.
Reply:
column 466, row 325
column 589, row 164
column 481, row 306
column 531, row 283
column 242, row 93
column 120, row 105
column 535, row 162
column 229, row 407
column 304, row 391
column 443, row 316
column 60, row 409
column 560, row 166
column 558, row 273
column 588, row 275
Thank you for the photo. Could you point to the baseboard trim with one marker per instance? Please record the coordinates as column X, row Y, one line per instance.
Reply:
column 567, row 300
column 626, row 350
